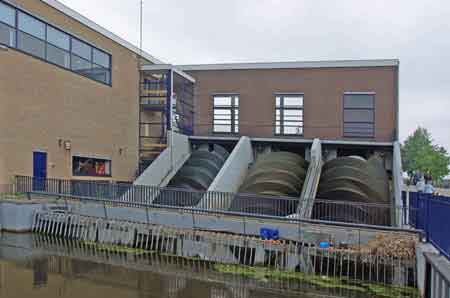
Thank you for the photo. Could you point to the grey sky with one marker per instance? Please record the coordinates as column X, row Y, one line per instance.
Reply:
column 212, row 31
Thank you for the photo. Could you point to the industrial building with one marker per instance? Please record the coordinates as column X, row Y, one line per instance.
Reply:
column 80, row 103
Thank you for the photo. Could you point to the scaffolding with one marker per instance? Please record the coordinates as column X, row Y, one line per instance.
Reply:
column 166, row 103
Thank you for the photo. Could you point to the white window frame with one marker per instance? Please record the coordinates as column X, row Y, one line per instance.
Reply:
column 280, row 114
column 220, row 119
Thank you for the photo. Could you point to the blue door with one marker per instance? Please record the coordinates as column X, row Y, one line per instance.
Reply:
column 39, row 170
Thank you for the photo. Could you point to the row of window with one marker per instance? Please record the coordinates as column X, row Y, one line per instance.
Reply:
column 358, row 110
column 24, row 32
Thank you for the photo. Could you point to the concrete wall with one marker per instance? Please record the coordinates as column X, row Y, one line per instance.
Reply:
column 421, row 249
column 312, row 179
column 235, row 168
column 168, row 162
column 185, row 219
column 439, row 278
column 17, row 215
column 323, row 90
column 397, row 177
column 42, row 103
column 231, row 175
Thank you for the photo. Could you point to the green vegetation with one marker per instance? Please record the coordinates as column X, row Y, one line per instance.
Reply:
column 371, row 290
column 115, row 248
column 420, row 154
column 12, row 195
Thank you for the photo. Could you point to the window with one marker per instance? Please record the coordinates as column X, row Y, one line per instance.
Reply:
column 359, row 115
column 58, row 56
column 32, row 26
column 101, row 58
column 88, row 166
column 226, row 114
column 44, row 41
column 91, row 62
column 7, row 24
column 58, row 38
column 31, row 45
column 7, row 35
column 81, row 65
column 7, row 15
column 289, row 114
column 81, row 49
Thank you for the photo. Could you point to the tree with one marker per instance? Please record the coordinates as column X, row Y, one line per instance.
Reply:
column 420, row 154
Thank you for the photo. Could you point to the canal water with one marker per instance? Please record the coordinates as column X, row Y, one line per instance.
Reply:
column 38, row 266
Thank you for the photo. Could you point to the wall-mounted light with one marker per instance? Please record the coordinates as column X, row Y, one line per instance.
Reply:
column 67, row 144
column 60, row 142
column 122, row 150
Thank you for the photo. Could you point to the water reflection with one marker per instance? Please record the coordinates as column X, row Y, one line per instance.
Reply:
column 56, row 276
column 36, row 266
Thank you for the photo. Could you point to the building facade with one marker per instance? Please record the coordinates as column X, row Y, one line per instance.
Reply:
column 332, row 100
column 69, row 95
column 78, row 102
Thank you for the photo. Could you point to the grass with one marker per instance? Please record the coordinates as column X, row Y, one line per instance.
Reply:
column 115, row 248
column 12, row 195
column 324, row 282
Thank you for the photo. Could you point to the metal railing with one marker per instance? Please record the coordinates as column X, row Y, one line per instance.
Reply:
column 433, row 217
column 341, row 211
column 141, row 196
column 7, row 189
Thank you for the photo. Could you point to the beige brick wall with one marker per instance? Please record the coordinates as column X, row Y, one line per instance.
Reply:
column 41, row 103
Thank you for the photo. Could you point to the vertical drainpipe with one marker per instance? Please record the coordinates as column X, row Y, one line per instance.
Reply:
column 397, row 157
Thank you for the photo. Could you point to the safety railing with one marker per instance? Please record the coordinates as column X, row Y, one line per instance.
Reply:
column 7, row 189
column 211, row 201
column 341, row 211
column 433, row 217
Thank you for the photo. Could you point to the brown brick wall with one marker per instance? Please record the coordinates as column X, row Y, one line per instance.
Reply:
column 41, row 103
column 323, row 90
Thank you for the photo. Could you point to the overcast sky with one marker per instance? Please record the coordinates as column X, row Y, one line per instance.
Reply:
column 213, row 31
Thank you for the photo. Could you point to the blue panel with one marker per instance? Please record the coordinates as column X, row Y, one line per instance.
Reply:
column 432, row 216
column 437, row 226
column 39, row 170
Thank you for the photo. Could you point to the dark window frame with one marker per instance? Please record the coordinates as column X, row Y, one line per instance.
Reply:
column 369, row 135
column 71, row 37
column 94, row 159
column 281, row 108
column 234, row 130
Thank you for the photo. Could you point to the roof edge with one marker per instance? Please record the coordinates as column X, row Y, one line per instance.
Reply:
column 94, row 26
column 293, row 64
column 168, row 67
